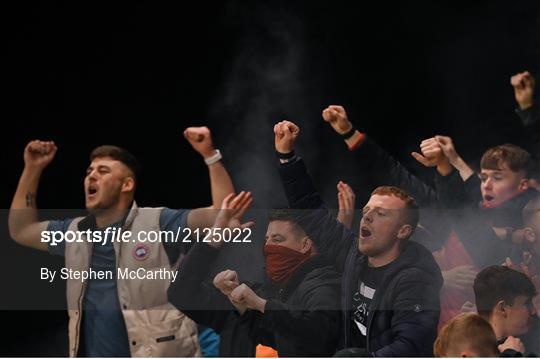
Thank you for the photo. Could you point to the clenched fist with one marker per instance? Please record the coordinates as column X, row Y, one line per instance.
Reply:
column 201, row 140
column 337, row 118
column 523, row 84
column 244, row 296
column 286, row 134
column 39, row 154
column 512, row 343
column 226, row 281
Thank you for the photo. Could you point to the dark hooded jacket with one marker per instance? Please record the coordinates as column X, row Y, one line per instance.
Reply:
column 301, row 318
column 404, row 312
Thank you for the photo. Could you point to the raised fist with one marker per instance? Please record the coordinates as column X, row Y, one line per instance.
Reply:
column 244, row 296
column 226, row 281
column 286, row 134
column 432, row 153
column 201, row 140
column 38, row 154
column 337, row 118
column 523, row 84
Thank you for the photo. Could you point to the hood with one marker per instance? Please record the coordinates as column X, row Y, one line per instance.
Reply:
column 415, row 255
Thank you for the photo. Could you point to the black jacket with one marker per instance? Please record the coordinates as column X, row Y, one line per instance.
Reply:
column 404, row 313
column 474, row 224
column 301, row 318
column 530, row 118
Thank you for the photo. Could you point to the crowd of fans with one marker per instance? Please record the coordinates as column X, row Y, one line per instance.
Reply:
column 448, row 270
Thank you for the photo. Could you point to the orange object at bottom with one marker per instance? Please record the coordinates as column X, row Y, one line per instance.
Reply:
column 265, row 352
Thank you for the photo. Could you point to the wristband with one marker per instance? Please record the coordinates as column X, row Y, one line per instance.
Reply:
column 214, row 158
column 285, row 156
column 357, row 144
column 349, row 133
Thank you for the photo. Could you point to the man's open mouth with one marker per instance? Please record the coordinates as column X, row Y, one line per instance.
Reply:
column 92, row 189
column 365, row 232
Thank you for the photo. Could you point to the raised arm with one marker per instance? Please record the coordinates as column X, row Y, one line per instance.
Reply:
column 371, row 159
column 529, row 113
column 24, row 225
column 221, row 184
column 332, row 238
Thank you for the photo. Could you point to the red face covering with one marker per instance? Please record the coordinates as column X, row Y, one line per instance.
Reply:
column 282, row 262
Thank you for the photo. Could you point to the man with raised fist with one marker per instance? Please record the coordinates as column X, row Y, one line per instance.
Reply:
column 524, row 86
column 390, row 285
column 121, row 316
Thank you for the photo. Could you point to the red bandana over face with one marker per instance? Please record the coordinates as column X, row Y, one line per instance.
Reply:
column 282, row 262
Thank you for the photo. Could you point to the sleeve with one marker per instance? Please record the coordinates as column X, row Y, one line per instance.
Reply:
column 332, row 239
column 416, row 309
column 209, row 342
column 171, row 220
column 479, row 239
column 195, row 296
column 454, row 193
column 316, row 322
column 530, row 118
column 58, row 249
column 386, row 170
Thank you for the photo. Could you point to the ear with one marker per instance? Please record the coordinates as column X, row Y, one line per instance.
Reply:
column 405, row 231
column 128, row 185
column 524, row 184
column 500, row 308
column 307, row 244
column 529, row 235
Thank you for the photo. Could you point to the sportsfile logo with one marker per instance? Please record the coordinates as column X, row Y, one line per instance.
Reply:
column 184, row 235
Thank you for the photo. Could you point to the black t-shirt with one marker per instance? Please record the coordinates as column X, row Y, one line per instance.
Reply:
column 362, row 296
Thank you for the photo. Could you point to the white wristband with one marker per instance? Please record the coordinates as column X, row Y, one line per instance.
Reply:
column 214, row 158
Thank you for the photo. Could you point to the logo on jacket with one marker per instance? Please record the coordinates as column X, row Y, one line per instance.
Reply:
column 417, row 308
column 141, row 252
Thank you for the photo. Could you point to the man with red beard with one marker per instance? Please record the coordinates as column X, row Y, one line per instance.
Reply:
column 390, row 285
column 296, row 312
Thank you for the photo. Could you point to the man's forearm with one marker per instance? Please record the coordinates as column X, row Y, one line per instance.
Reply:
column 463, row 168
column 23, row 211
column 220, row 183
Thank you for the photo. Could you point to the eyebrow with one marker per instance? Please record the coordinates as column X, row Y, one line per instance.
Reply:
column 275, row 235
column 100, row 167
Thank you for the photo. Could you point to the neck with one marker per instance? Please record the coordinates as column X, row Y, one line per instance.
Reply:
column 500, row 333
column 109, row 216
column 384, row 259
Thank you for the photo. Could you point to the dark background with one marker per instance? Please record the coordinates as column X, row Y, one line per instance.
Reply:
column 136, row 73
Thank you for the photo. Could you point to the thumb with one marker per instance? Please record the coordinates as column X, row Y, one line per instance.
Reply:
column 420, row 158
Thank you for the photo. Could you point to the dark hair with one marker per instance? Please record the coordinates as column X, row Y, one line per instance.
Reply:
column 284, row 214
column 497, row 283
column 514, row 157
column 412, row 210
column 119, row 154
